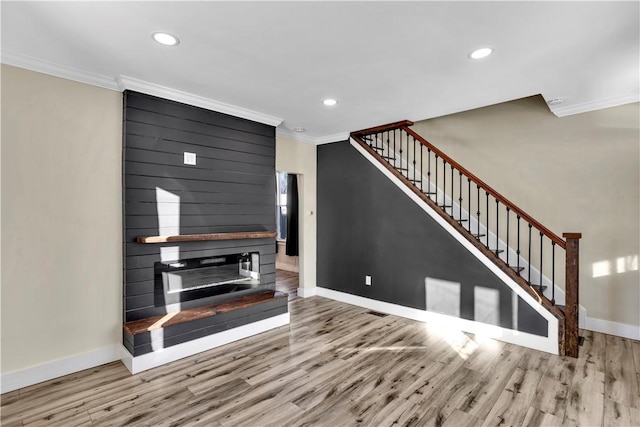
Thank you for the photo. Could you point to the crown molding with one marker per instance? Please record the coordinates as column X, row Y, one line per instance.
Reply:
column 296, row 136
column 599, row 104
column 336, row 137
column 121, row 83
column 57, row 70
column 130, row 83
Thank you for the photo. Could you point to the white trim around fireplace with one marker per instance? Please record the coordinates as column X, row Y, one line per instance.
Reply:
column 170, row 354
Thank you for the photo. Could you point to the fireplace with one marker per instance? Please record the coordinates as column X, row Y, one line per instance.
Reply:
column 187, row 283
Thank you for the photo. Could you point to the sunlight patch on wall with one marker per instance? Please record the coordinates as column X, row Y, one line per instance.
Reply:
column 486, row 305
column 168, row 208
column 620, row 265
column 442, row 296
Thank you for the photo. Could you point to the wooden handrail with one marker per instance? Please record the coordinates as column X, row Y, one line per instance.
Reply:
column 383, row 128
column 404, row 125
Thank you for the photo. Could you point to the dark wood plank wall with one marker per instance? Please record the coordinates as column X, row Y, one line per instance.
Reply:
column 230, row 189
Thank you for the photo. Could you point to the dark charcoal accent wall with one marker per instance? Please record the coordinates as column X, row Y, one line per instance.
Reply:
column 367, row 226
column 231, row 189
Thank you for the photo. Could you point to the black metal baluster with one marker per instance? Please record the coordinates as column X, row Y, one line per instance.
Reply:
column 452, row 194
column 429, row 172
column 518, row 250
column 469, row 204
column 529, row 275
column 421, row 165
column 390, row 160
column 414, row 161
column 436, row 190
column 444, row 184
column 460, row 197
column 553, row 272
column 478, row 212
column 541, row 241
column 486, row 241
column 507, row 248
column 394, row 150
column 401, row 158
column 497, row 227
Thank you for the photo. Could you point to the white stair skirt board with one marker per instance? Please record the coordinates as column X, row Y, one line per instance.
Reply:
column 58, row 368
column 443, row 198
column 179, row 351
column 307, row 292
column 547, row 344
column 531, row 301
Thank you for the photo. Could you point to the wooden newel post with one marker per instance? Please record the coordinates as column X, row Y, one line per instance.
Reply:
column 572, row 278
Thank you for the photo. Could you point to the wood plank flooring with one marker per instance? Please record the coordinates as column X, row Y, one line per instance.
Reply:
column 287, row 282
column 340, row 365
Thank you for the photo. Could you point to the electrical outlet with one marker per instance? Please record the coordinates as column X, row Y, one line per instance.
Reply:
column 367, row 280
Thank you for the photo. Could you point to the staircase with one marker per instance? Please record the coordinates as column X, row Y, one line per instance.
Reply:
column 534, row 257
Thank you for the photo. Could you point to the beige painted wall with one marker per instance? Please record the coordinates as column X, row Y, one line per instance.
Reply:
column 576, row 173
column 61, row 218
column 300, row 158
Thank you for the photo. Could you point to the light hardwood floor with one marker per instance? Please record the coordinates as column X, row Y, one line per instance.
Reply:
column 337, row 364
column 287, row 282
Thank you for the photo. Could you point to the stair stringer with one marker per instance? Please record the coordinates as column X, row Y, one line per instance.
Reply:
column 547, row 344
column 443, row 198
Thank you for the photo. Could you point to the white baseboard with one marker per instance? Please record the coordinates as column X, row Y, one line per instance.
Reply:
column 547, row 344
column 307, row 292
column 58, row 368
column 170, row 354
column 613, row 328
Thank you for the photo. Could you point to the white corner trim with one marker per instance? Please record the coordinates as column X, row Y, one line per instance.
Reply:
column 336, row 137
column 547, row 344
column 613, row 328
column 170, row 354
column 131, row 83
column 57, row 70
column 598, row 104
column 307, row 292
column 58, row 368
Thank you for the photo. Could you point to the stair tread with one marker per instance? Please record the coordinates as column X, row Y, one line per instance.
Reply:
column 516, row 268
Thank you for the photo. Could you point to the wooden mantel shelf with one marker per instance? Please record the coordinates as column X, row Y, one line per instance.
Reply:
column 202, row 237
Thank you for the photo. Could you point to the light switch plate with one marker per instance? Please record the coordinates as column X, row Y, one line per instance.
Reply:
column 189, row 158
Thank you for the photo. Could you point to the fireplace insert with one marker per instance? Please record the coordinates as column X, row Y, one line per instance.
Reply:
column 184, row 283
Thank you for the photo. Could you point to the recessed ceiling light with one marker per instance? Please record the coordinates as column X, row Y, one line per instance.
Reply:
column 165, row 38
column 299, row 129
column 481, row 53
column 329, row 102
column 555, row 101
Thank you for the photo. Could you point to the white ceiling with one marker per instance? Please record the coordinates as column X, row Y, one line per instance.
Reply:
column 383, row 61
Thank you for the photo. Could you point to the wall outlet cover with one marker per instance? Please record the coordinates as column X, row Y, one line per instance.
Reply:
column 367, row 280
column 189, row 158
